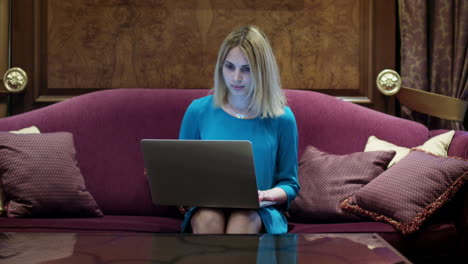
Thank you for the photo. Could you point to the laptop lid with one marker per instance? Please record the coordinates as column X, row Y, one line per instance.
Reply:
column 208, row 173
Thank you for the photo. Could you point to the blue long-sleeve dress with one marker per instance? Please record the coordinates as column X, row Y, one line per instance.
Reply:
column 274, row 143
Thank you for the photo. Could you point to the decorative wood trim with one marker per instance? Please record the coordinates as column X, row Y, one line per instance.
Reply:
column 37, row 48
column 366, row 50
column 356, row 99
column 4, row 23
column 384, row 56
column 53, row 98
column 22, row 51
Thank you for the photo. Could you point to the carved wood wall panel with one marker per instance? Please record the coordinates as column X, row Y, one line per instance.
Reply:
column 86, row 45
column 168, row 44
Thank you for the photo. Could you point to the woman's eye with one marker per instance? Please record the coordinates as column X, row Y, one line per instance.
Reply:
column 229, row 66
column 245, row 69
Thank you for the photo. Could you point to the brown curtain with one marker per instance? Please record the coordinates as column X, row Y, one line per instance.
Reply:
column 434, row 53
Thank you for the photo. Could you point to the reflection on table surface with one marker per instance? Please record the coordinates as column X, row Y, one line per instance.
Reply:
column 83, row 248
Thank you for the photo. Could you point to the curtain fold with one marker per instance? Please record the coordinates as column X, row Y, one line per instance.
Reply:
column 434, row 40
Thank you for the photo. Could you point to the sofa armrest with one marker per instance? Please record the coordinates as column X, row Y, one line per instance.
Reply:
column 458, row 146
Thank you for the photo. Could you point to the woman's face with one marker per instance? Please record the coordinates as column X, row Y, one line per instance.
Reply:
column 236, row 73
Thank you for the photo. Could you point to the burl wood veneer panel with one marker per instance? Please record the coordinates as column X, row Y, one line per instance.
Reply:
column 94, row 44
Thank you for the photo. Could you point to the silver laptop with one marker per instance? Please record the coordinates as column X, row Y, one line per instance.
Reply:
column 207, row 173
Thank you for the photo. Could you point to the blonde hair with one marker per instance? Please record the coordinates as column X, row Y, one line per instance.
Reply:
column 266, row 96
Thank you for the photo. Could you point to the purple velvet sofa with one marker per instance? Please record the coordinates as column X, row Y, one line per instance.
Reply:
column 108, row 125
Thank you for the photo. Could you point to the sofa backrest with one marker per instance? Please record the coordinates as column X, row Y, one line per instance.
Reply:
column 108, row 125
column 340, row 127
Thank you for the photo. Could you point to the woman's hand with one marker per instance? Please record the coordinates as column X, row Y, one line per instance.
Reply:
column 276, row 194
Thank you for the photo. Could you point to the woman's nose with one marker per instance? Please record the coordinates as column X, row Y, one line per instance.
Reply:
column 237, row 76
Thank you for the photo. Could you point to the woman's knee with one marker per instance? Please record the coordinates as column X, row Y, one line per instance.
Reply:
column 208, row 220
column 244, row 222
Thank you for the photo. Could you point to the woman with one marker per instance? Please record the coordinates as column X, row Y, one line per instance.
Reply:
column 247, row 104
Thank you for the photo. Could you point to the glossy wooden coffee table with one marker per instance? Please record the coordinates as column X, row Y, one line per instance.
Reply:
column 83, row 248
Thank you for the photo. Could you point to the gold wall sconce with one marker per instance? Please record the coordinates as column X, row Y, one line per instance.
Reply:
column 445, row 107
column 15, row 80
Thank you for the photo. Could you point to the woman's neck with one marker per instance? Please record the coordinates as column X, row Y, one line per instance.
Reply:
column 239, row 102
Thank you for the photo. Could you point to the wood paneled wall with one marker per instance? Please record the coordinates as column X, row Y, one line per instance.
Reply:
column 4, row 10
column 86, row 45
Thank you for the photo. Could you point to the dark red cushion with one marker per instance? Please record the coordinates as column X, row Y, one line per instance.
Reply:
column 326, row 180
column 41, row 178
column 411, row 191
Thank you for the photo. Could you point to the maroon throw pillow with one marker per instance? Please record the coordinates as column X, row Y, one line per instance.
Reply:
column 40, row 177
column 327, row 179
column 411, row 191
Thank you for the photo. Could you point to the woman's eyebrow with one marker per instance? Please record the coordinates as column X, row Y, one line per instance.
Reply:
column 245, row 65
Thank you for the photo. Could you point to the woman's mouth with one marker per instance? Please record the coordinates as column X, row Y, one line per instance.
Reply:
column 237, row 87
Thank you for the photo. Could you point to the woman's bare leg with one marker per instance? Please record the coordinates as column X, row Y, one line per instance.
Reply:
column 208, row 221
column 244, row 222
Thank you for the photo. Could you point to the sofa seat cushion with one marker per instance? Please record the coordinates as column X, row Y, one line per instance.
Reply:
column 361, row 227
column 106, row 223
